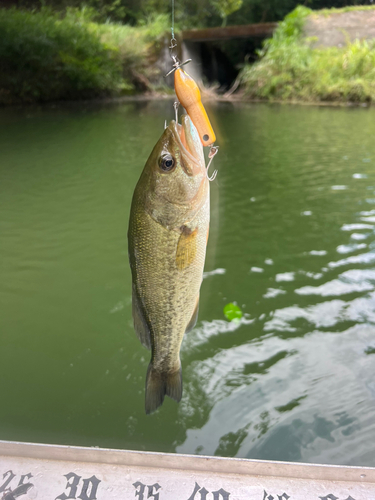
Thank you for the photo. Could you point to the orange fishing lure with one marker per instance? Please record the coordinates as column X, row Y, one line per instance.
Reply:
column 188, row 94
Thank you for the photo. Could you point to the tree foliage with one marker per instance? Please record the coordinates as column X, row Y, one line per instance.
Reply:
column 226, row 7
column 194, row 13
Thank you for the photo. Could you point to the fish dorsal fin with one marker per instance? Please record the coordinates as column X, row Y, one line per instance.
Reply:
column 140, row 324
column 186, row 247
column 194, row 317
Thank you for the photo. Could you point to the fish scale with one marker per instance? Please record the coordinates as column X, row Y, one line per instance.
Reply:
column 167, row 246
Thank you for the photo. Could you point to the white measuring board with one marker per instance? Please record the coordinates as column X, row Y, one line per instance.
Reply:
column 48, row 472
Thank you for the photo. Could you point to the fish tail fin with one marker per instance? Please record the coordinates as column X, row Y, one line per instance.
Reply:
column 155, row 390
column 159, row 384
column 173, row 385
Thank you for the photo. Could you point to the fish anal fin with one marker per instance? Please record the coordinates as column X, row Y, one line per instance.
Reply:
column 194, row 318
column 186, row 247
column 140, row 325
column 159, row 384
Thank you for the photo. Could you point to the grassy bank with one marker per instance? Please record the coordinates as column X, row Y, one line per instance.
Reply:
column 48, row 56
column 290, row 69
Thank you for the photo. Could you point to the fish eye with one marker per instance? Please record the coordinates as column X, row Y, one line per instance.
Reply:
column 166, row 162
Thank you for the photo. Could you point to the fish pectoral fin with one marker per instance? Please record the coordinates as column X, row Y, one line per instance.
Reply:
column 186, row 247
column 140, row 325
column 193, row 319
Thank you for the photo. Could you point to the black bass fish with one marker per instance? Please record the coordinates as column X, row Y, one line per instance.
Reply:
column 168, row 231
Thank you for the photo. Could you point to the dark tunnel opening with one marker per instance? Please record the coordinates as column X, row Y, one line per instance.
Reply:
column 221, row 61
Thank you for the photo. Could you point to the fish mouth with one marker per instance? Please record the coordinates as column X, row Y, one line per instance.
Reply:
column 189, row 143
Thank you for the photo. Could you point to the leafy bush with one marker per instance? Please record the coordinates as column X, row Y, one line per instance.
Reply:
column 289, row 69
column 44, row 56
column 137, row 47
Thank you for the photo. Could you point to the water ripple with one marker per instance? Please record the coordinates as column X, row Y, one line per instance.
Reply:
column 364, row 258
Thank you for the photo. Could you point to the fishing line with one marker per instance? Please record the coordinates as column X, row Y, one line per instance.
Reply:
column 172, row 27
column 173, row 47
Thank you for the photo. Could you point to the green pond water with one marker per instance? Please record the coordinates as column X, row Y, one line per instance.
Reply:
column 292, row 243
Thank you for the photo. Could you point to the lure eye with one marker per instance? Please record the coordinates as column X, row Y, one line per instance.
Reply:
column 166, row 162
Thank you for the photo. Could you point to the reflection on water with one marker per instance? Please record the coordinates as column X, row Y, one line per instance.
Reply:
column 292, row 242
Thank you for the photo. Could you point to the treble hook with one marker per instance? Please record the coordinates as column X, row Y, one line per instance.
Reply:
column 213, row 152
column 176, row 105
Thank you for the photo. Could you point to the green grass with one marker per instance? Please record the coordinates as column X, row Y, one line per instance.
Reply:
column 290, row 69
column 45, row 56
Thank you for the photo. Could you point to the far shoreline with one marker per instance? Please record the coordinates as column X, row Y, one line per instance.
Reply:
column 155, row 96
